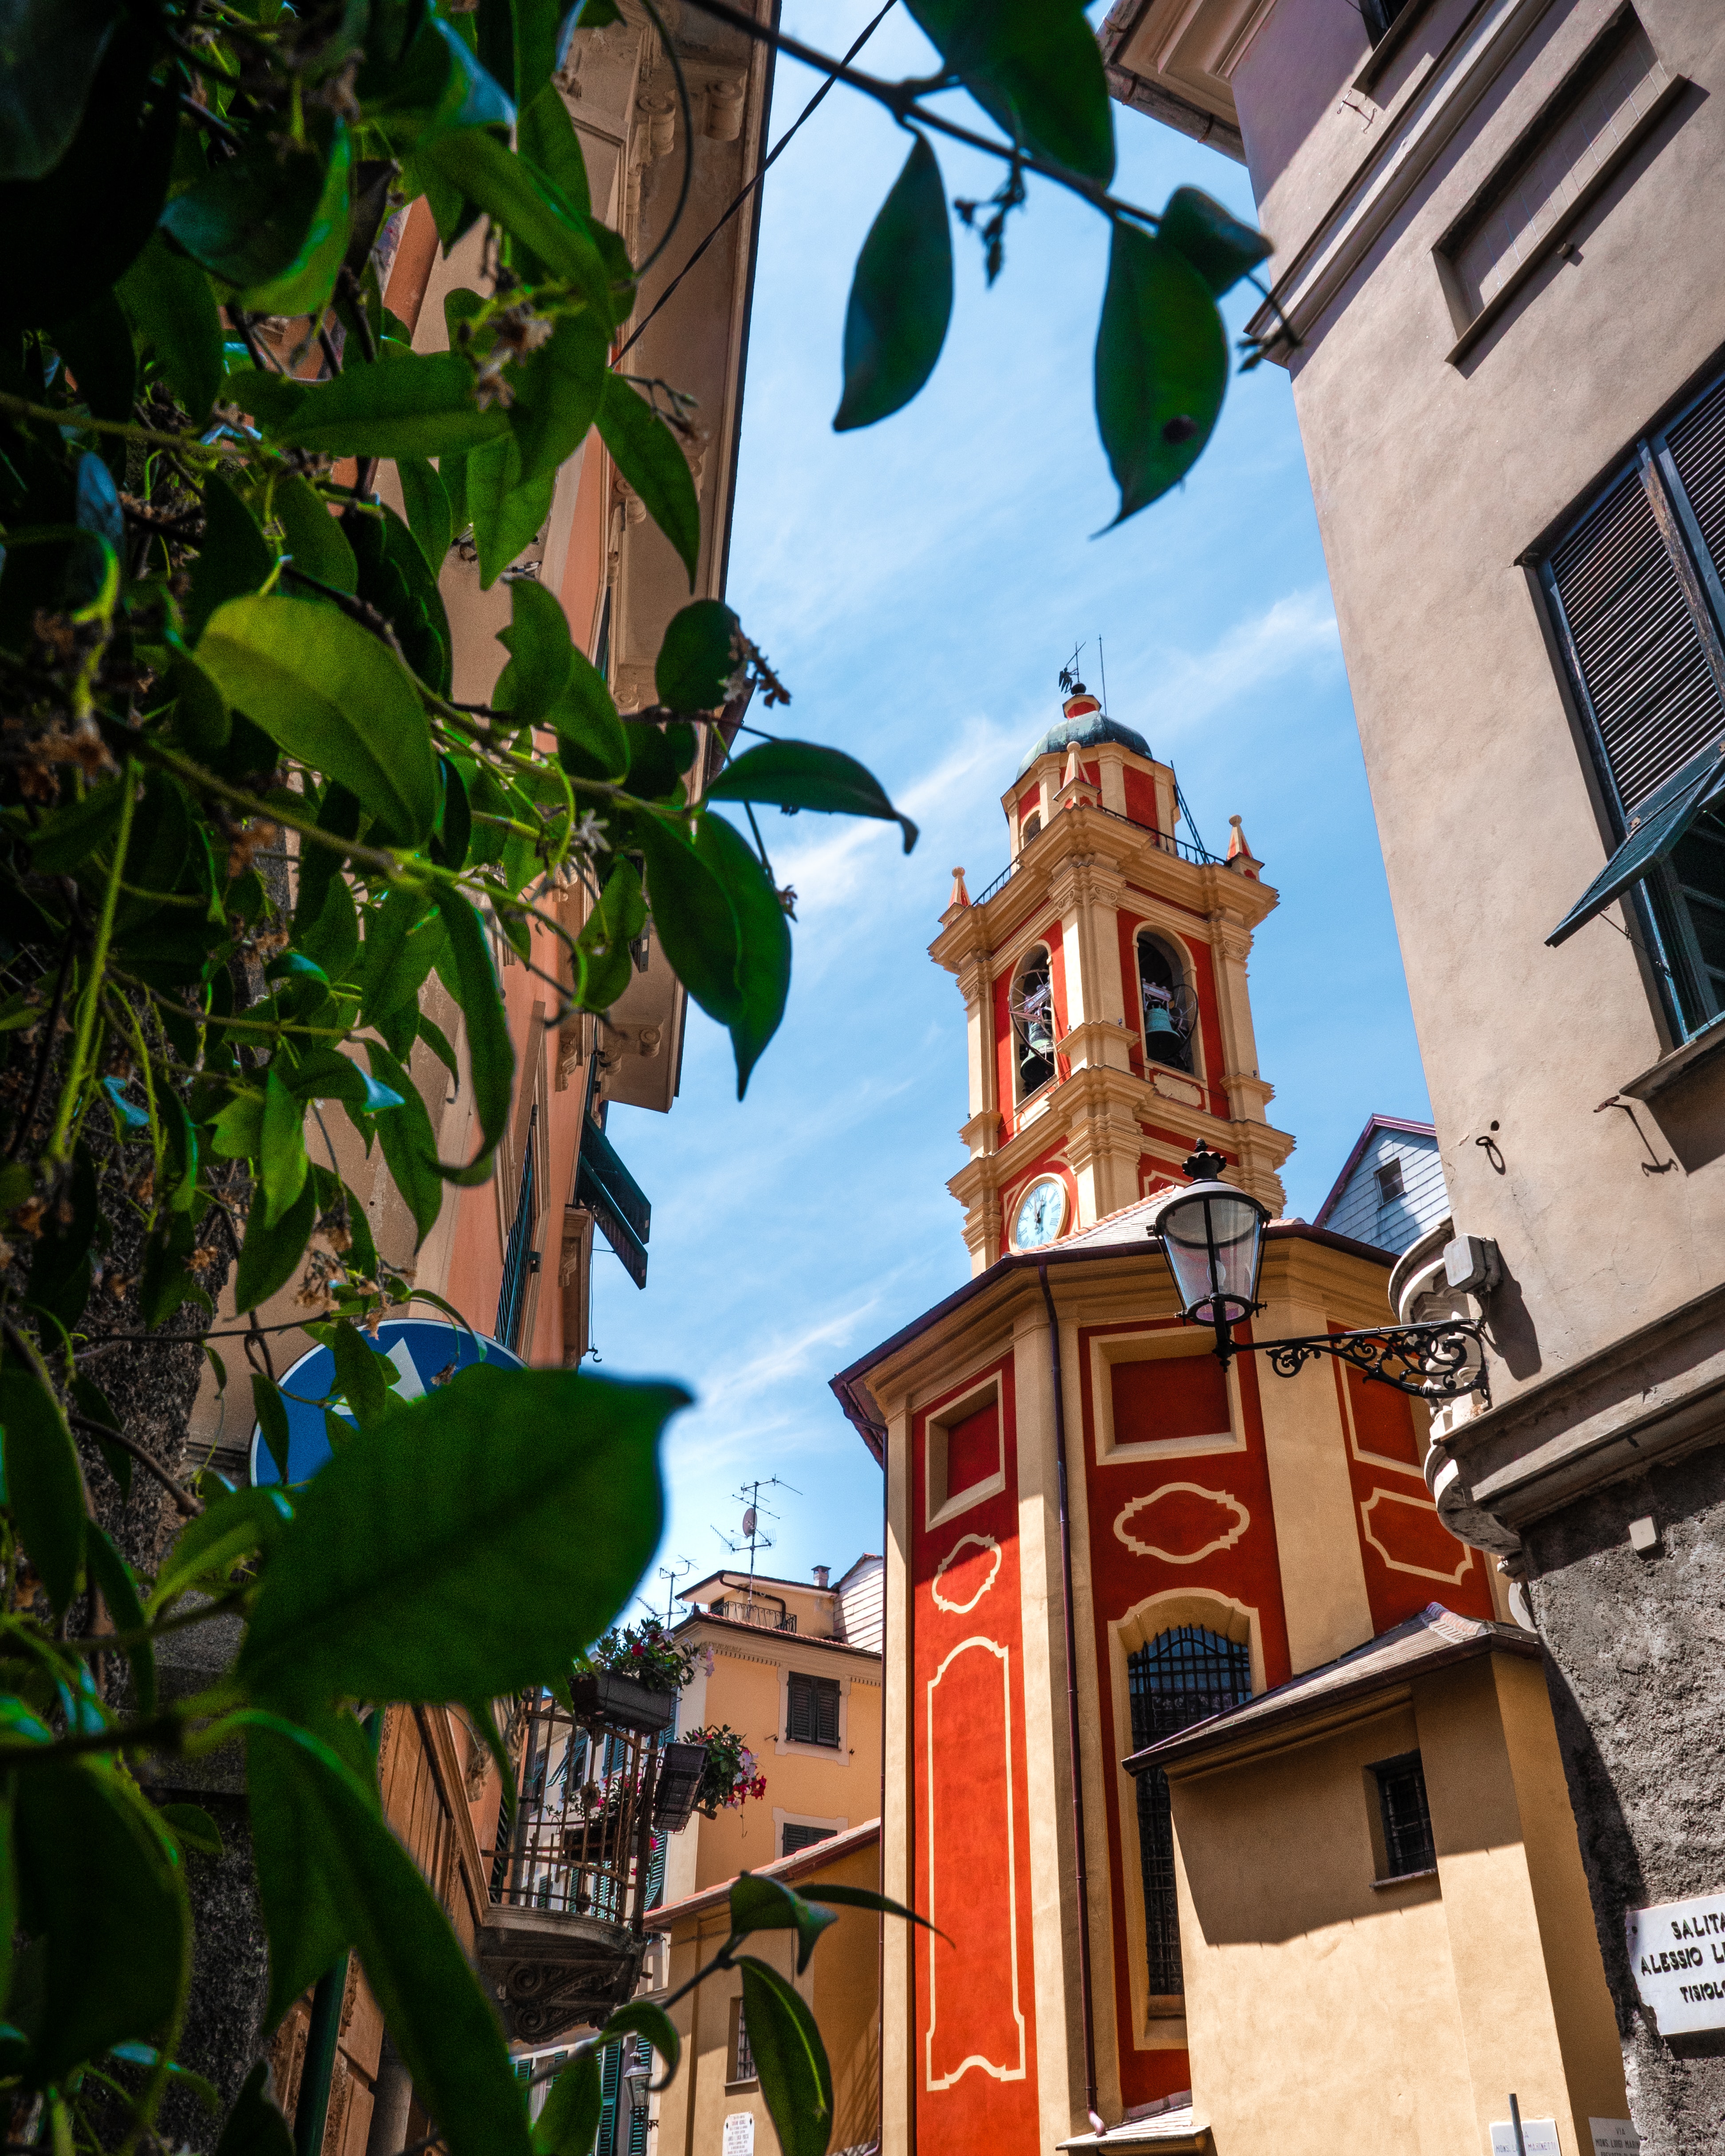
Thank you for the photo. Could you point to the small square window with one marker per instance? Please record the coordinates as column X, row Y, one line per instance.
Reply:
column 812, row 1710
column 794, row 1837
column 1389, row 1181
column 1406, row 1817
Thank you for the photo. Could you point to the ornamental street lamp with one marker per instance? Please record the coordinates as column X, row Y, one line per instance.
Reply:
column 1212, row 1237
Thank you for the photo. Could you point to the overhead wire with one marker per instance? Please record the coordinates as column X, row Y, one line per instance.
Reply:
column 760, row 174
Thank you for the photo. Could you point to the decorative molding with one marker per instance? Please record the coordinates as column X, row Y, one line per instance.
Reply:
column 1427, row 1512
column 1242, row 1521
column 964, row 1609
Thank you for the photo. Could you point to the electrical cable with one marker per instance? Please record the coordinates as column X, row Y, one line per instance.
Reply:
column 761, row 171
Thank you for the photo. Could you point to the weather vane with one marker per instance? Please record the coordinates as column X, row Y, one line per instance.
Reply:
column 1069, row 672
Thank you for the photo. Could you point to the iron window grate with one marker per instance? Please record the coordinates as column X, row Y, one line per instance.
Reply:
column 1183, row 1677
column 1406, row 1817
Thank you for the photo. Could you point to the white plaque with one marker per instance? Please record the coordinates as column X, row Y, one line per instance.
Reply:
column 740, row 2133
column 1613, row 2137
column 1677, row 1952
column 1539, row 2138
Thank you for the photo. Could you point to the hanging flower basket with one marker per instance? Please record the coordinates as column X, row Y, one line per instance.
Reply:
column 623, row 1700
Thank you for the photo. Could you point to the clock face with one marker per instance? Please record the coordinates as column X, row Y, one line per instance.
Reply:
column 1041, row 1213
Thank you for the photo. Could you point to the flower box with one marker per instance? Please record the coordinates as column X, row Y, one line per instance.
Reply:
column 622, row 1701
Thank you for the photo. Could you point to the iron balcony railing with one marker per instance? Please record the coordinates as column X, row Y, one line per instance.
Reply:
column 758, row 1613
column 1200, row 855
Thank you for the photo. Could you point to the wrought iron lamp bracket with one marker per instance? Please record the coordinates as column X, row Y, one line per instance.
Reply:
column 1430, row 1362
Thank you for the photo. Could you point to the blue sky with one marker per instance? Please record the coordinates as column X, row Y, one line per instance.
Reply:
column 918, row 586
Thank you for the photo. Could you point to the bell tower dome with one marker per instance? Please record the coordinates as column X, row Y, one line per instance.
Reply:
column 1104, row 978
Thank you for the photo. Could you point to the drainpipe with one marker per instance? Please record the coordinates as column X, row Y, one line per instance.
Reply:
column 1081, row 1864
column 311, row 2109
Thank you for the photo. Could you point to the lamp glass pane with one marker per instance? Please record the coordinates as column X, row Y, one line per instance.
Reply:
column 1212, row 1240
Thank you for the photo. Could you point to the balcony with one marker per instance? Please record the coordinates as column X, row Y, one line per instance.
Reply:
column 769, row 1619
column 564, row 1939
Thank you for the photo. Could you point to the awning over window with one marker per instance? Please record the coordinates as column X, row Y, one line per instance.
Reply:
column 1656, row 827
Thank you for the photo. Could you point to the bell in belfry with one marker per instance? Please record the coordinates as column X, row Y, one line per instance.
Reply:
column 1159, row 1027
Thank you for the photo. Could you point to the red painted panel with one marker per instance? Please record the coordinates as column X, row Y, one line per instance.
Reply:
column 973, row 1450
column 1174, row 1396
column 1410, row 1558
column 1226, row 1515
column 974, row 2016
column 1141, row 798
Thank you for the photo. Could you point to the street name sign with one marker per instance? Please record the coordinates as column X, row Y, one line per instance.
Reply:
column 1677, row 1952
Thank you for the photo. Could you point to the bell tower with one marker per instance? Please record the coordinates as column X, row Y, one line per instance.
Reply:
column 1104, row 977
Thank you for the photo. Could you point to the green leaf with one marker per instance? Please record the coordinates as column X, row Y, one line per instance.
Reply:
column 97, row 347
column 231, row 1530
column 570, row 2120
column 49, row 51
column 234, row 559
column 763, row 935
column 1161, row 367
column 641, row 2017
column 1220, row 247
column 359, row 1373
column 316, row 542
column 764, row 1905
column 454, row 828
column 794, row 774
column 421, row 406
column 547, row 140
column 169, row 299
column 44, row 1486
column 70, row 834
column 539, row 652
column 282, row 1158
column 1034, row 68
column 319, row 1840
column 508, row 189
column 271, row 1411
column 254, row 2127
column 646, row 452
column 271, row 1253
column 428, row 506
column 99, row 1888
column 331, row 695
column 536, row 41
column 436, row 83
column 394, row 578
column 693, row 919
column 601, row 948
column 112, row 1576
column 506, row 510
column 59, row 1266
column 479, row 1539
column 94, row 1405
column 194, row 1829
column 471, row 978
column 249, row 220
column 901, row 296
column 409, row 1143
column 238, row 1130
column 698, row 657
column 305, row 286
column 592, row 742
column 865, row 1897
column 789, row 2057
column 557, row 390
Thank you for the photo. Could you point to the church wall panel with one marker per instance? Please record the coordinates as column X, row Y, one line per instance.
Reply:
column 974, row 2024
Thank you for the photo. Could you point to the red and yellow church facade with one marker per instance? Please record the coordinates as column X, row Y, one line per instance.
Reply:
column 1099, row 1538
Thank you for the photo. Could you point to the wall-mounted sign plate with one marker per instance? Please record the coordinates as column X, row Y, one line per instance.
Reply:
column 426, row 1352
column 1539, row 2138
column 1677, row 1952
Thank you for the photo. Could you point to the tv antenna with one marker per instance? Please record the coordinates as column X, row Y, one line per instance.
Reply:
column 672, row 1573
column 1069, row 672
column 754, row 1511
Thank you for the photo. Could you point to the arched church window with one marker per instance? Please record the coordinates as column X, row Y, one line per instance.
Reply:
column 1033, row 824
column 1170, row 1008
column 1031, row 1006
column 1185, row 1675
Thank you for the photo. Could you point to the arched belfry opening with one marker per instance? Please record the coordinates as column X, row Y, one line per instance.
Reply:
column 1170, row 1009
column 1033, row 1022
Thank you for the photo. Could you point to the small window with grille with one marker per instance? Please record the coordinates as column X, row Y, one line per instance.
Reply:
column 1184, row 1676
column 1389, row 1181
column 740, row 2062
column 811, row 1710
column 1636, row 593
column 1404, row 1817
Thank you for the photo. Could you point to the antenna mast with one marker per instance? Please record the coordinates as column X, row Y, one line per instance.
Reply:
column 749, row 1498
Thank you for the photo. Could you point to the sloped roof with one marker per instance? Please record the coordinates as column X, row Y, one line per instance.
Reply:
column 1086, row 731
column 1435, row 1637
column 816, row 1857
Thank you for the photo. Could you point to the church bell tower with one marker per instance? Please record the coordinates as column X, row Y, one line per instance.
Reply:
column 1104, row 977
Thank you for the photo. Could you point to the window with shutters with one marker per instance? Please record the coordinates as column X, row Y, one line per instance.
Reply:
column 1635, row 591
column 1184, row 1676
column 811, row 1710
column 797, row 1834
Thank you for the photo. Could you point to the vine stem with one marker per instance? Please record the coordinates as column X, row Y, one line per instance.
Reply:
column 188, row 1505
column 900, row 99
column 98, row 960
column 87, row 424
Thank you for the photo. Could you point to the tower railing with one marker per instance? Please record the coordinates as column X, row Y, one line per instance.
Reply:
column 1200, row 856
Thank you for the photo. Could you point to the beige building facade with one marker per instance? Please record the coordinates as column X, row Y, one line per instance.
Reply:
column 1497, row 290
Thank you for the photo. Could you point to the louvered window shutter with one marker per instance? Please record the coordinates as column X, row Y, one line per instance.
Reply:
column 1638, row 592
column 812, row 1710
